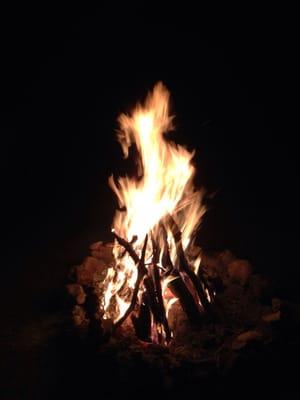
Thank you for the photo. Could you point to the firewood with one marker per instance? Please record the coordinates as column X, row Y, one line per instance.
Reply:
column 141, row 274
column 166, row 258
column 149, row 286
column 186, row 300
column 210, row 285
column 141, row 320
column 128, row 247
column 184, row 269
column 161, row 307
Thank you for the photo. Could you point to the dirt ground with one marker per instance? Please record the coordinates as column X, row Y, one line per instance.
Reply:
column 43, row 359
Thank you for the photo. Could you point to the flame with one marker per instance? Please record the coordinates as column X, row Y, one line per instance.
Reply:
column 163, row 186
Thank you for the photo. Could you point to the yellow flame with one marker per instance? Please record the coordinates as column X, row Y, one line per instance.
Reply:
column 163, row 186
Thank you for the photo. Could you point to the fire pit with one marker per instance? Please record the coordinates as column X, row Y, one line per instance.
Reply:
column 152, row 294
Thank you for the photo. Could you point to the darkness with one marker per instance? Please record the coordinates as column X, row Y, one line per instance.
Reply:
column 66, row 76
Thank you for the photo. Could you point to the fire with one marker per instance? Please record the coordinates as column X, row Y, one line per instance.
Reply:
column 163, row 187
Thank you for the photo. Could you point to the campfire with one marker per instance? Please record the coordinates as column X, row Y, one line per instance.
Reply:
column 156, row 261
column 152, row 287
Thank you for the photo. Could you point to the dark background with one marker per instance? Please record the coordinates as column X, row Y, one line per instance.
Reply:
column 66, row 75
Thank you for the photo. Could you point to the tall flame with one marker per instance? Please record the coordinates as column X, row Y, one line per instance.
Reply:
column 163, row 186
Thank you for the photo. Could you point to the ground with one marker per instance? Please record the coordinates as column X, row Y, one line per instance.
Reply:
column 43, row 359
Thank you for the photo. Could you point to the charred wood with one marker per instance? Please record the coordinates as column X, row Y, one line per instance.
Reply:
column 141, row 274
column 184, row 269
column 141, row 320
column 186, row 300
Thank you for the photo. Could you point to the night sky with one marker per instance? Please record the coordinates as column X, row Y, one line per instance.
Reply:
column 67, row 74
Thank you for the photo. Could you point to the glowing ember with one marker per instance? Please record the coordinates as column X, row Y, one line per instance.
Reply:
column 159, row 210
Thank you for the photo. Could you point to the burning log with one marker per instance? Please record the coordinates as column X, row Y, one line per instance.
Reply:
column 176, row 284
column 186, row 300
column 141, row 274
column 128, row 247
column 141, row 320
column 156, row 278
column 152, row 300
column 161, row 308
column 186, row 286
column 188, row 276
column 150, row 319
